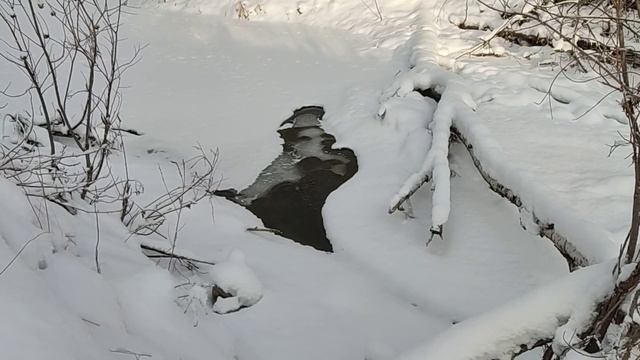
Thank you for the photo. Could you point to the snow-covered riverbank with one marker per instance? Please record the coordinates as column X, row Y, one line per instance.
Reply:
column 208, row 78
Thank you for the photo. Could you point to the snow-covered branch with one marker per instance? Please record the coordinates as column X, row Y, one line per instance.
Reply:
column 580, row 242
column 573, row 255
column 436, row 164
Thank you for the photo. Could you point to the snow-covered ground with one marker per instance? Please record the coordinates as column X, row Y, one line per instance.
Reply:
column 208, row 78
column 229, row 84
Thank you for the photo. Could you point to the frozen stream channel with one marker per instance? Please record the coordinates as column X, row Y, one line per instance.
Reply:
column 228, row 85
column 289, row 194
column 216, row 83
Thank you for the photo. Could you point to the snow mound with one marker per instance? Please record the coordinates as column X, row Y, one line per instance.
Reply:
column 236, row 278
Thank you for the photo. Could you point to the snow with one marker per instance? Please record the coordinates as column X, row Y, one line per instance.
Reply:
column 498, row 334
column 236, row 278
column 309, row 297
column 208, row 78
column 229, row 84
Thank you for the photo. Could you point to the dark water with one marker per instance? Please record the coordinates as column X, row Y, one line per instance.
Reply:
column 288, row 195
column 430, row 93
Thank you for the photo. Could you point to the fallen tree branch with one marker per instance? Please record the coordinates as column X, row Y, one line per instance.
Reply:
column 436, row 164
column 136, row 355
column 423, row 178
column 631, row 56
column 273, row 231
column 495, row 32
column 172, row 255
column 574, row 257
column 605, row 52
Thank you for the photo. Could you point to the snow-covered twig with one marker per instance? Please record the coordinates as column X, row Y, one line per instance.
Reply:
column 273, row 231
column 197, row 181
column 487, row 38
column 17, row 255
column 411, row 185
column 97, row 247
column 136, row 355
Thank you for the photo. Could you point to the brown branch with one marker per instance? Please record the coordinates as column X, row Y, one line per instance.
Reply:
column 170, row 255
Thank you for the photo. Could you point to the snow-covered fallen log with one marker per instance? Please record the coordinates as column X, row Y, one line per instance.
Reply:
column 426, row 73
column 575, row 258
column 584, row 242
column 436, row 164
column 580, row 241
column 553, row 314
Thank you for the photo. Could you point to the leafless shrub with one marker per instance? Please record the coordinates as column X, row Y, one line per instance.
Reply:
column 197, row 180
column 68, row 52
column 66, row 123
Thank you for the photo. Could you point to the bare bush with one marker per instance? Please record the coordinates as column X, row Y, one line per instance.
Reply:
column 197, row 180
column 68, row 54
